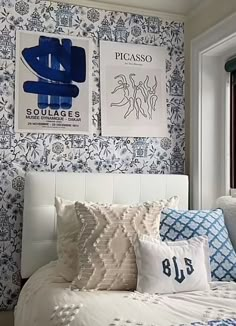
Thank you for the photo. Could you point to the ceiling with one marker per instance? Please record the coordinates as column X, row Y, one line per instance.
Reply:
column 179, row 7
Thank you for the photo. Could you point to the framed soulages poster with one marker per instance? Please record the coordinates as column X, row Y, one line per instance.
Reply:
column 52, row 93
column 133, row 90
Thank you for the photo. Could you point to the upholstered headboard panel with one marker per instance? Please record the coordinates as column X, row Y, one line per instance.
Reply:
column 39, row 220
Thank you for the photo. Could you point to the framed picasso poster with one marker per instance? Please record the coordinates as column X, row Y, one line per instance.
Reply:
column 133, row 90
column 52, row 92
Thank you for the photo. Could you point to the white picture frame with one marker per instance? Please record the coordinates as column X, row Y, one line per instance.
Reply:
column 63, row 106
column 133, row 90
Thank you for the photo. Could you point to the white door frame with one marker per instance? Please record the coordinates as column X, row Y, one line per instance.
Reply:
column 216, row 37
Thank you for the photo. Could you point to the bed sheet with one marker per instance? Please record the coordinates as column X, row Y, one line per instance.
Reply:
column 46, row 300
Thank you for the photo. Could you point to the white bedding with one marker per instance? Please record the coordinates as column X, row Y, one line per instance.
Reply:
column 46, row 300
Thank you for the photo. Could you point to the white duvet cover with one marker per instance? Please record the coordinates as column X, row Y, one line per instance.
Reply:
column 46, row 300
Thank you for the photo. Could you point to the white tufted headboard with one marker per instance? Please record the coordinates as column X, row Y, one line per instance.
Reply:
column 39, row 219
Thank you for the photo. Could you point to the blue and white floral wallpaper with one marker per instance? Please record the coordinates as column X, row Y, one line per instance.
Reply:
column 23, row 152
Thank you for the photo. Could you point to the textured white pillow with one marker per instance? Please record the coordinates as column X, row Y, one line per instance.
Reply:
column 105, row 242
column 67, row 234
column 170, row 267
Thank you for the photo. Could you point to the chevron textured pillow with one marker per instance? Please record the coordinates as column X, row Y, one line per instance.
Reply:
column 105, row 242
column 67, row 234
column 178, row 225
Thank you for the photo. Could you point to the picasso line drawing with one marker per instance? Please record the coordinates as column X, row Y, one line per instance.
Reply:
column 150, row 96
column 124, row 86
column 143, row 96
column 56, row 63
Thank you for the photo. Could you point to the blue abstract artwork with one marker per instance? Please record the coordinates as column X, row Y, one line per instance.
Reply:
column 52, row 93
column 53, row 81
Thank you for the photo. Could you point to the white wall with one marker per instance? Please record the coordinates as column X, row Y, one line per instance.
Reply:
column 212, row 12
column 208, row 15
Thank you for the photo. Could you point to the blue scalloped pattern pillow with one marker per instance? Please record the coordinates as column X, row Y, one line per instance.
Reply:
column 177, row 225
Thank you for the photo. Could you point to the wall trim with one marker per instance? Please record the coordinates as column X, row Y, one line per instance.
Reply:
column 122, row 8
column 210, row 39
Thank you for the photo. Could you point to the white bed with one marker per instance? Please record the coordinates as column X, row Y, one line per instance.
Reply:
column 47, row 300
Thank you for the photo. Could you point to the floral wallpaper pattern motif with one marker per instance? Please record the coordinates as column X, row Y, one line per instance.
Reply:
column 23, row 152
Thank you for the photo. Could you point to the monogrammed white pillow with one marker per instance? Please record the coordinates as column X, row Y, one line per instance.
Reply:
column 67, row 234
column 170, row 267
